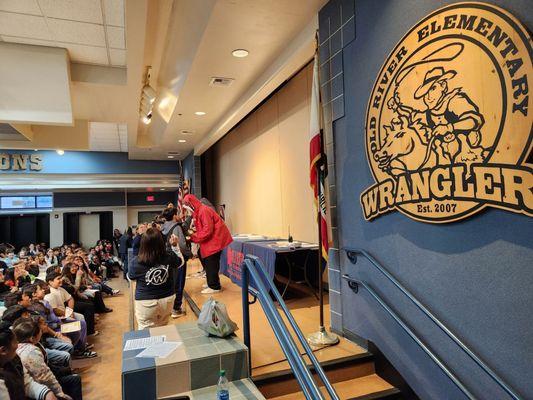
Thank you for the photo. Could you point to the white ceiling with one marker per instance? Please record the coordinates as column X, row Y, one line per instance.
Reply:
column 93, row 31
column 186, row 42
column 105, row 136
column 263, row 27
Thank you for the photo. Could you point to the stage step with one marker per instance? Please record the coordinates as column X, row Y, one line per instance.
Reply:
column 363, row 388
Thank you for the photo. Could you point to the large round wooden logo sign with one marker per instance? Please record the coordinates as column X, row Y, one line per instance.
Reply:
column 448, row 125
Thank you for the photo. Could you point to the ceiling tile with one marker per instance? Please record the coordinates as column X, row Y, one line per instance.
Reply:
column 28, row 26
column 75, row 10
column 20, row 6
column 115, row 37
column 118, row 57
column 99, row 127
column 86, row 54
column 114, row 12
column 77, row 32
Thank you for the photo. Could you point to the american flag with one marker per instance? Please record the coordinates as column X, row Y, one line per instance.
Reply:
column 183, row 190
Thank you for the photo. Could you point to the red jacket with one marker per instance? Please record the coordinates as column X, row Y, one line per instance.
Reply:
column 211, row 234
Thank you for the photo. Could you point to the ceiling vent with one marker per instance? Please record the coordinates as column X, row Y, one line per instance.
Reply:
column 173, row 153
column 186, row 132
column 220, row 81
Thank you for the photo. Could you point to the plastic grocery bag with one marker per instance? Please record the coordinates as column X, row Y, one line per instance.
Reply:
column 214, row 319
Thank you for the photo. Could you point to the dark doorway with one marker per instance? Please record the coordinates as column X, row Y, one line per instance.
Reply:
column 71, row 228
column 22, row 229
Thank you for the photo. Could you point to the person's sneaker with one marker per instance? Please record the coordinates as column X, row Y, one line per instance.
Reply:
column 94, row 334
column 177, row 313
column 116, row 291
column 89, row 346
column 210, row 291
column 85, row 354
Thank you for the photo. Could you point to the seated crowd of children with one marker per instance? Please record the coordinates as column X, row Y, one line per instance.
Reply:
column 51, row 301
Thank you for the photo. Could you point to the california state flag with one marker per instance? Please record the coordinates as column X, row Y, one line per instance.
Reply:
column 317, row 163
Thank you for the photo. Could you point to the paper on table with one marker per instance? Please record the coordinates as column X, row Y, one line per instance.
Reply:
column 71, row 327
column 142, row 343
column 161, row 350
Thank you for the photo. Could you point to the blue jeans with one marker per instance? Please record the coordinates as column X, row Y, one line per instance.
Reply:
column 58, row 344
column 58, row 359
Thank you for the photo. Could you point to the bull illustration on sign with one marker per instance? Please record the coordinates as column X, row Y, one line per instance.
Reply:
column 446, row 132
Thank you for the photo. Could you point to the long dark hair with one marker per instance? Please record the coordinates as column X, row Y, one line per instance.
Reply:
column 152, row 249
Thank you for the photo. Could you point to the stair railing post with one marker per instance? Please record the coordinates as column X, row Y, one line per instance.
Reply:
column 246, row 315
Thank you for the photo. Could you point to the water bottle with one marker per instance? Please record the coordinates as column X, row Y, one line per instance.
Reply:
column 222, row 387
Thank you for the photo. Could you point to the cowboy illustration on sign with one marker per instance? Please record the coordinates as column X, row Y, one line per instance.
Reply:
column 448, row 128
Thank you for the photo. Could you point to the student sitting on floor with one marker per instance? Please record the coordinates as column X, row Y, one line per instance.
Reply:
column 33, row 358
column 79, row 338
column 58, row 297
column 58, row 347
column 15, row 382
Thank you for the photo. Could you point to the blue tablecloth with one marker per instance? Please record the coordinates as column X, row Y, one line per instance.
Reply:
column 233, row 256
column 266, row 250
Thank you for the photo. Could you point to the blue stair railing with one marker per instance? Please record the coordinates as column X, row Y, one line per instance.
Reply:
column 352, row 254
column 252, row 267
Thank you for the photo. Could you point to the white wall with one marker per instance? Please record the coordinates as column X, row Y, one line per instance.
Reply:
column 262, row 167
column 120, row 220
column 133, row 213
column 89, row 229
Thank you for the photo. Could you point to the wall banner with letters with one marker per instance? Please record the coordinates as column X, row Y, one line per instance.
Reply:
column 448, row 126
column 20, row 162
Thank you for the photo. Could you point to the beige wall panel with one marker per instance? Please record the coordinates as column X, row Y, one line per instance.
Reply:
column 261, row 167
column 298, row 209
column 89, row 229
column 55, row 137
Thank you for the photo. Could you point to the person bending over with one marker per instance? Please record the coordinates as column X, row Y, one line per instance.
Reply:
column 155, row 269
column 213, row 236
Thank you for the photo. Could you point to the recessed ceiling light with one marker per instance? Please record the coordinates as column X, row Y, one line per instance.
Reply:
column 240, row 53
column 60, row 152
column 35, row 149
column 162, row 189
column 182, row 140
column 170, row 156
column 200, row 113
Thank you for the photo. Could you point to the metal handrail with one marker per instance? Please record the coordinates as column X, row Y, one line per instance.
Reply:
column 413, row 336
column 252, row 266
column 352, row 253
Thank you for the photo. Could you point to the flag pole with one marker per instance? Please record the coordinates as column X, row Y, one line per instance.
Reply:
column 322, row 338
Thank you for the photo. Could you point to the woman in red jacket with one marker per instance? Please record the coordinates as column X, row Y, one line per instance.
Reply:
column 213, row 236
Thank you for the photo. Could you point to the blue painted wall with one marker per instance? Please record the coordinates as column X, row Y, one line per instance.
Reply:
column 475, row 275
column 85, row 162
column 188, row 166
